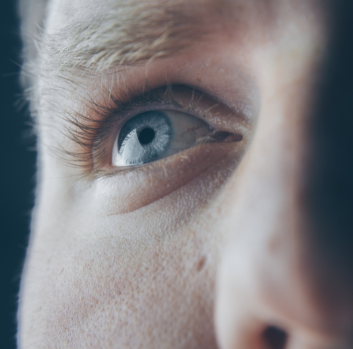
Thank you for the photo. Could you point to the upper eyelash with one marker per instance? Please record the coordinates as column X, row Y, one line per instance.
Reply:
column 90, row 134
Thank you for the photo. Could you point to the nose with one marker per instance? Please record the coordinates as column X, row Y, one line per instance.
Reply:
column 275, row 289
column 282, row 283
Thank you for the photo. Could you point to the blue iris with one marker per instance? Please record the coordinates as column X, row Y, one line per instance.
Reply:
column 144, row 138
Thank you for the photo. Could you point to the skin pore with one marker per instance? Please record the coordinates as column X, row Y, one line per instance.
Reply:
column 204, row 248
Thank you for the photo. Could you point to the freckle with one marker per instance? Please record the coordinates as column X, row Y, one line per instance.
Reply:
column 201, row 263
column 198, row 79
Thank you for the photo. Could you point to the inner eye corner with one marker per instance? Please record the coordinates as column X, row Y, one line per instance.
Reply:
column 227, row 137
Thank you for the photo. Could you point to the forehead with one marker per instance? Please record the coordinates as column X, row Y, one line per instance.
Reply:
column 64, row 12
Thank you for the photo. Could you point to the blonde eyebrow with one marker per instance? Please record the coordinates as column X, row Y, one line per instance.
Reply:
column 128, row 33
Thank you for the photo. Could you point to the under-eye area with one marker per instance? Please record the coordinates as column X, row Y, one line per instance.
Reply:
column 206, row 165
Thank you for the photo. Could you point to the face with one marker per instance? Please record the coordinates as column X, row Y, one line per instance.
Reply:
column 173, row 142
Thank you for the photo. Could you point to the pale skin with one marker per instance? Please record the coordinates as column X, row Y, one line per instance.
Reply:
column 204, row 248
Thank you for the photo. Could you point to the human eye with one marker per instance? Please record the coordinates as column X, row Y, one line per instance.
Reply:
column 159, row 124
column 156, row 134
column 151, row 144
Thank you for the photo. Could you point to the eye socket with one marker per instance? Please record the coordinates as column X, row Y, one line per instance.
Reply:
column 156, row 134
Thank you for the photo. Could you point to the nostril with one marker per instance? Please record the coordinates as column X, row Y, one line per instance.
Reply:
column 275, row 337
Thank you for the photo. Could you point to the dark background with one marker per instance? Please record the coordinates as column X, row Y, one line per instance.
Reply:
column 17, row 172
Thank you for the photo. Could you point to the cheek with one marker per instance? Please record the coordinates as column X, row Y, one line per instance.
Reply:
column 119, row 291
column 113, row 280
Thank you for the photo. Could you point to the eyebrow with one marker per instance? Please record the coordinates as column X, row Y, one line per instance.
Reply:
column 125, row 33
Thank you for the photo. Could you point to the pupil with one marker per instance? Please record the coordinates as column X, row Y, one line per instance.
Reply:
column 146, row 136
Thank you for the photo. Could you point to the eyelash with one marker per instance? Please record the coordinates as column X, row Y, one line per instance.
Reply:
column 91, row 134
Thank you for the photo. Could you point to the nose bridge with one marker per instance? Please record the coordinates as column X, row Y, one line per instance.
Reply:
column 263, row 220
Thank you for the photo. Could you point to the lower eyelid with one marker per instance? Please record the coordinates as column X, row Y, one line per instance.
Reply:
column 140, row 187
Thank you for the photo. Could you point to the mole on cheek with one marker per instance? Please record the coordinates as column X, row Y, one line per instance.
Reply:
column 201, row 263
